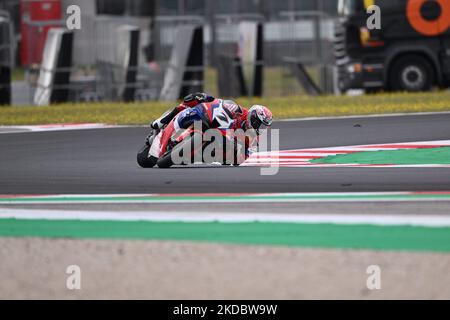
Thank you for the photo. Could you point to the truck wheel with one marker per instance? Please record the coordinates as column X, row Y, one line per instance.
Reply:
column 412, row 73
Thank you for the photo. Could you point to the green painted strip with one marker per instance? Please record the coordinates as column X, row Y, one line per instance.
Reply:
column 399, row 157
column 190, row 198
column 287, row 234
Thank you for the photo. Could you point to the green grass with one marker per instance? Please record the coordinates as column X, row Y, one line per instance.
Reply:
column 408, row 157
column 282, row 107
column 313, row 235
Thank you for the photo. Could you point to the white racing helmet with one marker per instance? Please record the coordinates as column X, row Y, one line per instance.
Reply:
column 259, row 117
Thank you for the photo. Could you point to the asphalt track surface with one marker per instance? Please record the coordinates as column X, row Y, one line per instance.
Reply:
column 104, row 161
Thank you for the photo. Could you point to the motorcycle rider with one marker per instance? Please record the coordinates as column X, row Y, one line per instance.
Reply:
column 224, row 114
column 227, row 114
column 255, row 118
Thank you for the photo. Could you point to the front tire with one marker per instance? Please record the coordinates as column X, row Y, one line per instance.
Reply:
column 412, row 73
column 143, row 159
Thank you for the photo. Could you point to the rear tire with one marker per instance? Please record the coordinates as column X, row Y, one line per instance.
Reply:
column 144, row 160
column 166, row 160
column 412, row 73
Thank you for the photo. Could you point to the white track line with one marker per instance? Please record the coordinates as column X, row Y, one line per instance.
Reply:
column 196, row 201
column 383, row 115
column 57, row 127
column 228, row 217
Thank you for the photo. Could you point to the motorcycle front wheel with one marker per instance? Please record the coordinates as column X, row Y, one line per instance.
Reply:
column 143, row 159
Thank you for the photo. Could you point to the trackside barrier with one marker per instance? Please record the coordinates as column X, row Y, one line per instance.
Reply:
column 5, row 58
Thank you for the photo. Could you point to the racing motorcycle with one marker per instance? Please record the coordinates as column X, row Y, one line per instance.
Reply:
column 164, row 145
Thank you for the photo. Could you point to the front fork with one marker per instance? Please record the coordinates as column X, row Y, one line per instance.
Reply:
column 151, row 136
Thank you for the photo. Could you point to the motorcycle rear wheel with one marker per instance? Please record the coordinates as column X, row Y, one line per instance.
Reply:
column 166, row 160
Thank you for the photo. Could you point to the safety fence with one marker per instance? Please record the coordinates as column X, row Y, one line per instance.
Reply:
column 297, row 54
column 6, row 57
